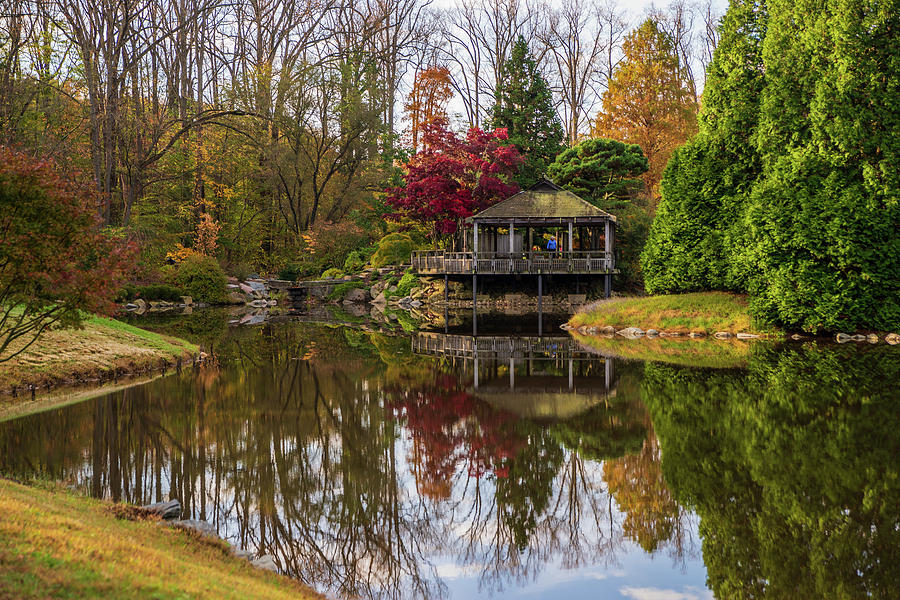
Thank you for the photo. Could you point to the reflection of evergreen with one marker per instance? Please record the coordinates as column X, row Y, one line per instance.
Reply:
column 792, row 468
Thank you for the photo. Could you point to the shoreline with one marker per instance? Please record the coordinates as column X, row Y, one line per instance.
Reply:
column 102, row 351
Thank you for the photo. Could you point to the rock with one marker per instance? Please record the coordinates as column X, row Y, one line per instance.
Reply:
column 246, row 289
column 236, row 298
column 652, row 333
column 392, row 316
column 796, row 337
column 722, row 335
column 130, row 306
column 872, row 338
column 415, row 303
column 631, row 332
column 380, row 300
column 241, row 553
column 271, row 302
column 696, row 334
column 747, row 336
column 583, row 330
column 858, row 337
column 357, row 296
column 843, row 338
column 141, row 304
column 565, row 327
column 892, row 338
column 258, row 303
column 201, row 527
column 187, row 300
column 167, row 510
column 266, row 561
column 608, row 330
column 392, row 289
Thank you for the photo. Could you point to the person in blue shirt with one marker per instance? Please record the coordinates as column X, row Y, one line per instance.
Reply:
column 551, row 245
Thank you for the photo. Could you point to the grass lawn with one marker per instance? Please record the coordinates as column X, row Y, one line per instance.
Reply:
column 102, row 345
column 54, row 544
column 707, row 353
column 706, row 312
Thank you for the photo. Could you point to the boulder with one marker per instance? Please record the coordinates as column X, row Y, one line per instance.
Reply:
column 892, row 339
column 858, row 337
column 166, row 510
column 608, row 330
column 380, row 300
column 241, row 553
column 187, row 300
column 722, row 335
column 246, row 289
column 357, row 296
column 696, row 334
column 747, row 336
column 631, row 332
column 843, row 338
column 416, row 303
column 872, row 338
column 236, row 298
column 258, row 303
column 652, row 333
column 130, row 306
column 266, row 561
column 202, row 527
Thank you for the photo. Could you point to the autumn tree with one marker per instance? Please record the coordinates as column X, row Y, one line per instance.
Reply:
column 55, row 262
column 428, row 100
column 455, row 177
column 524, row 107
column 649, row 101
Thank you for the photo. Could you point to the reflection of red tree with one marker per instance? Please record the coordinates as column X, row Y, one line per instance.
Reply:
column 451, row 429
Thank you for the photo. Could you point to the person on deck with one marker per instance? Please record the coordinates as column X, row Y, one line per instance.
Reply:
column 551, row 245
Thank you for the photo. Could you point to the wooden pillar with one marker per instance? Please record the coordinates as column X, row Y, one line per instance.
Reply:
column 571, row 378
column 474, row 304
column 540, row 305
column 570, row 236
column 607, row 285
column 512, row 236
column 530, row 238
column 609, row 245
column 475, row 360
column 475, row 240
column 512, row 373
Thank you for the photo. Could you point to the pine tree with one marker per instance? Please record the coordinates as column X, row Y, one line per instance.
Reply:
column 524, row 106
column 604, row 172
column 697, row 233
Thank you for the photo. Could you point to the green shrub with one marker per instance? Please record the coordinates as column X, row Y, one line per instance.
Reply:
column 202, row 278
column 291, row 272
column 407, row 283
column 332, row 274
column 156, row 291
column 355, row 262
column 393, row 249
column 242, row 271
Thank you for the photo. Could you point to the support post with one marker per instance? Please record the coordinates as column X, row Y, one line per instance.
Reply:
column 607, row 285
column 571, row 378
column 608, row 245
column 474, row 304
column 512, row 236
column 446, row 303
column 608, row 372
column 540, row 305
column 570, row 236
column 512, row 373
column 475, row 240
column 475, row 361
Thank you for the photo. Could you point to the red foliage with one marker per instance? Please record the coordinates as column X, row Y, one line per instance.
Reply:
column 54, row 259
column 452, row 428
column 454, row 178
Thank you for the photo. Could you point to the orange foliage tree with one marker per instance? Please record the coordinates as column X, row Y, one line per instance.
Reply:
column 649, row 100
column 428, row 100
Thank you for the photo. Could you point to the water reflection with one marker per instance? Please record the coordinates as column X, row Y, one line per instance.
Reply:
column 379, row 466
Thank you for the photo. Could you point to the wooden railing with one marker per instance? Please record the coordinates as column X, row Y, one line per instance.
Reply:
column 505, row 263
column 466, row 346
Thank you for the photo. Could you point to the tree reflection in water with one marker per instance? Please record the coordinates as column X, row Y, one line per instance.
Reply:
column 364, row 468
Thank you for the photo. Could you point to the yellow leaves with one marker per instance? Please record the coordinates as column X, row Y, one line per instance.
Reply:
column 180, row 253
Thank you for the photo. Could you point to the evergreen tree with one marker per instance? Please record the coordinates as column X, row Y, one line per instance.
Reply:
column 697, row 232
column 604, row 172
column 825, row 217
column 524, row 106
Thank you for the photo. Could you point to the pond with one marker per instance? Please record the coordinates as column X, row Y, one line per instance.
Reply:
column 438, row 465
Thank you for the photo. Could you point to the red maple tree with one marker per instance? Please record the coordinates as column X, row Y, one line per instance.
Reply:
column 453, row 178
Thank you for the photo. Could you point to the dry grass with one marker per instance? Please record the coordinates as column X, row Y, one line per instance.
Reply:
column 706, row 353
column 58, row 545
column 102, row 347
column 706, row 312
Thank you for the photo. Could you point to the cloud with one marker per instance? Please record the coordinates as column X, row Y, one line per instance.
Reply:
column 649, row 593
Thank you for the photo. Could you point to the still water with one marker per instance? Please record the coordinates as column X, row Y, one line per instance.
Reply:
column 433, row 465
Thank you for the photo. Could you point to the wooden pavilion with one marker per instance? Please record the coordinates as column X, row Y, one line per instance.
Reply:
column 513, row 236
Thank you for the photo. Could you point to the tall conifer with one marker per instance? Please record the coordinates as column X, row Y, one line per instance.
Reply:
column 524, row 106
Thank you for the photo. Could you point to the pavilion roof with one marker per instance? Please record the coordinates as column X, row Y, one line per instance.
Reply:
column 543, row 201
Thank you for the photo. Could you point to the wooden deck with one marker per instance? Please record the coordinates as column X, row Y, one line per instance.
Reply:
column 439, row 262
column 467, row 346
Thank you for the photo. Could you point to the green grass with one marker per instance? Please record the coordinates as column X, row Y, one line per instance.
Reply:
column 706, row 312
column 101, row 346
column 59, row 545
